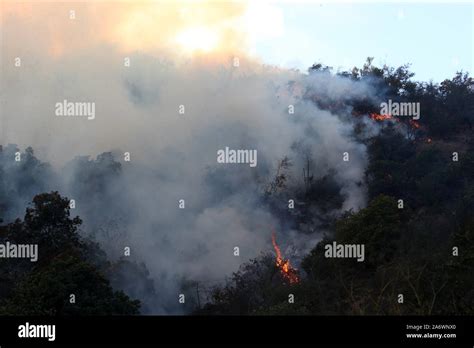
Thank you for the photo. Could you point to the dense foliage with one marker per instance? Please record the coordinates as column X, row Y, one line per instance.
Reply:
column 424, row 251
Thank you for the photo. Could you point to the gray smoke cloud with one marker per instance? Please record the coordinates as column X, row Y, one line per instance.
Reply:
column 173, row 155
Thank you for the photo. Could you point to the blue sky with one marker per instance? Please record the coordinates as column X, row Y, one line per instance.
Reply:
column 435, row 38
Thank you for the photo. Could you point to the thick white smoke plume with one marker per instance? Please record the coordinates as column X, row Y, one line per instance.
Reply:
column 173, row 155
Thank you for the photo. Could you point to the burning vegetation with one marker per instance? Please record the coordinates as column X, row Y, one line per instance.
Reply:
column 411, row 126
column 382, row 117
column 288, row 273
column 414, row 124
column 378, row 117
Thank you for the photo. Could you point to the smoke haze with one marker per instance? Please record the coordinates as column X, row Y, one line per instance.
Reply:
column 172, row 155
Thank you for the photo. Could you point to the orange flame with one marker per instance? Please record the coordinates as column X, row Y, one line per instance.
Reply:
column 287, row 271
column 382, row 117
column 414, row 124
column 379, row 117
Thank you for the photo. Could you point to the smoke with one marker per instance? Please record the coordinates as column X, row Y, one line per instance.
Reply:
column 172, row 155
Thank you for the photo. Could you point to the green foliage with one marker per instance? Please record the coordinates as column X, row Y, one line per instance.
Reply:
column 47, row 290
column 66, row 265
column 378, row 227
column 408, row 251
column 49, row 225
column 252, row 290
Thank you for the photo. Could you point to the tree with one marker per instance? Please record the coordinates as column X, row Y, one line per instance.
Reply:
column 256, row 287
column 48, row 291
column 66, row 265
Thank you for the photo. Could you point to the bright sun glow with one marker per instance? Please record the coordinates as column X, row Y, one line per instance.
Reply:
column 197, row 39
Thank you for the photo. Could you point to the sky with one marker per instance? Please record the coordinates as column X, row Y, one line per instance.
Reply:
column 435, row 38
